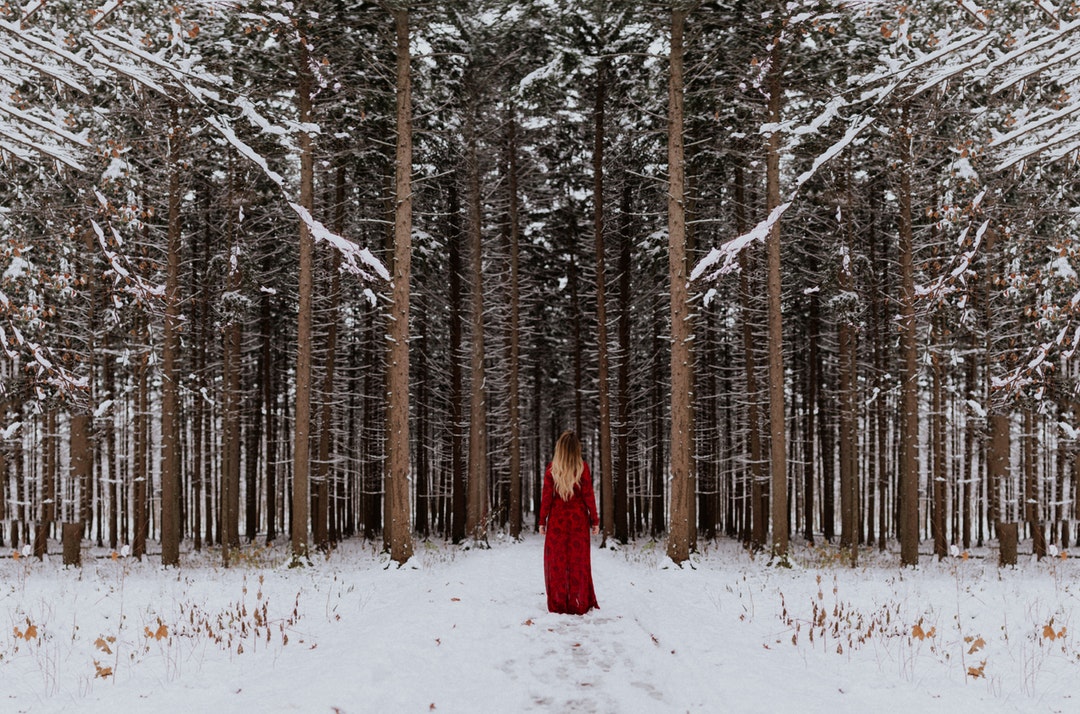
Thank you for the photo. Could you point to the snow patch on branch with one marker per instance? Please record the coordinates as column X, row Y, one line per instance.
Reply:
column 246, row 151
column 729, row 252
column 353, row 255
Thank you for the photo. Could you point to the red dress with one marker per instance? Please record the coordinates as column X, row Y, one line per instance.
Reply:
column 567, row 565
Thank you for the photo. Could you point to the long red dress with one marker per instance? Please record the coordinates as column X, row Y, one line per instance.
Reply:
column 567, row 563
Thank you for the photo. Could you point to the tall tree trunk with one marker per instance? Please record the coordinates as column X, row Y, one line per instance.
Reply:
column 622, row 473
column 397, row 408
column 82, row 463
column 201, row 319
column 759, row 481
column 112, row 471
column 909, row 380
column 607, row 495
column 968, row 476
column 538, row 401
column 140, row 470
column 998, row 465
column 654, row 509
column 23, row 509
column 681, row 531
column 230, row 462
column 575, row 329
column 424, row 495
column 252, row 459
column 1032, row 500
column 371, row 478
column 777, row 430
column 231, row 437
column 515, row 337
column 849, row 486
column 878, row 436
column 937, row 428
column 302, row 419
column 459, row 499
column 170, row 426
column 477, row 516
column 809, row 438
column 321, row 516
column 49, row 487
column 81, row 426
column 205, row 412
column 269, row 400
column 5, row 508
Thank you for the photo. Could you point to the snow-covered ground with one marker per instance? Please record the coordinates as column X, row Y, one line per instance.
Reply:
column 468, row 631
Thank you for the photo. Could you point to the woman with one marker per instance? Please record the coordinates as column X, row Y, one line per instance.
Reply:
column 567, row 512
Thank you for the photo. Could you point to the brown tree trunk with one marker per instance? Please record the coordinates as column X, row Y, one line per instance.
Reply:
column 424, row 495
column 252, row 450
column 302, row 419
column 477, row 507
column 759, row 481
column 909, row 374
column 397, row 407
column 515, row 300
column 459, row 501
column 937, row 428
column 777, row 426
column 877, row 438
column 371, row 478
column 813, row 415
column 849, row 486
column 680, row 529
column 607, row 494
column 967, row 479
column 170, row 426
column 204, row 414
column 82, row 463
column 230, row 463
column 622, row 473
column 4, row 507
column 997, row 466
column 1032, row 501
column 140, row 473
column 201, row 309
column 575, row 328
column 321, row 485
column 23, row 509
column 538, row 401
column 229, row 509
column 654, row 508
column 269, row 400
column 112, row 471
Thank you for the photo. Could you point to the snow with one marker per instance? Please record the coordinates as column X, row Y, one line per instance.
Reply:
column 1062, row 269
column 15, row 270
column 729, row 252
column 458, row 630
column 353, row 255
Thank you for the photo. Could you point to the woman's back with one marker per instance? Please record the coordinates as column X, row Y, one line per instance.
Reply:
column 567, row 564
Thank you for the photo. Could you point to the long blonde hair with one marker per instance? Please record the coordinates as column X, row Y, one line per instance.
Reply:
column 567, row 465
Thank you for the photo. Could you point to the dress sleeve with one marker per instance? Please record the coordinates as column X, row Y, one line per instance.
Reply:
column 545, row 497
column 589, row 496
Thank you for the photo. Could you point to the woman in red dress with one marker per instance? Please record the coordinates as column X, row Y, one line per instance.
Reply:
column 567, row 514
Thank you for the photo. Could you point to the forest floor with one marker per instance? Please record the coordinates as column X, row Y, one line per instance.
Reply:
column 460, row 630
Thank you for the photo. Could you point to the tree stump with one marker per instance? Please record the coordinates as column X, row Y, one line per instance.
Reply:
column 71, row 538
column 1007, row 538
column 41, row 540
